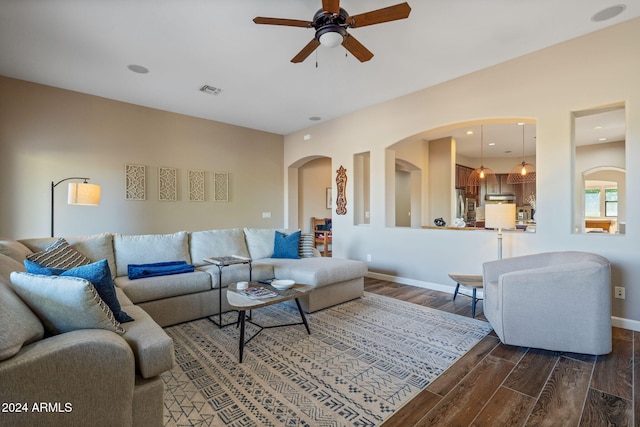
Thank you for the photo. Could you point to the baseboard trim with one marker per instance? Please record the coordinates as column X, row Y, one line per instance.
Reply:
column 412, row 282
column 618, row 322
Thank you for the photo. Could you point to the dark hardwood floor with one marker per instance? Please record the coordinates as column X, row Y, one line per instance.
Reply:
column 499, row 385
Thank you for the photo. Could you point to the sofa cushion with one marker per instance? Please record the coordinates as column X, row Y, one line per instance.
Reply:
column 159, row 287
column 98, row 273
column 152, row 347
column 286, row 245
column 59, row 255
column 317, row 271
column 14, row 249
column 260, row 242
column 237, row 272
column 96, row 247
column 64, row 304
column 215, row 243
column 18, row 324
column 7, row 266
column 149, row 248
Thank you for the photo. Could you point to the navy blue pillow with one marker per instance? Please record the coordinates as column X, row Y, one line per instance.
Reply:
column 98, row 273
column 286, row 246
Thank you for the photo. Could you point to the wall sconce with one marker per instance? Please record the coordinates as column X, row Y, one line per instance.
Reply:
column 500, row 215
column 79, row 194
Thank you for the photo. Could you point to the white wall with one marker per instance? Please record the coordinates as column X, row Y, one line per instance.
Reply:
column 546, row 86
column 47, row 134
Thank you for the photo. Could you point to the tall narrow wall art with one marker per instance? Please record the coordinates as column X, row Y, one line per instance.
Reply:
column 221, row 186
column 167, row 184
column 135, row 176
column 196, row 186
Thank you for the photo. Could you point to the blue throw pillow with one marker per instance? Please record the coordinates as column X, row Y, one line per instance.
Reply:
column 286, row 246
column 98, row 273
column 35, row 268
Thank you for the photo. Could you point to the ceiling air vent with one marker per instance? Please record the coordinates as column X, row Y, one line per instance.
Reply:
column 210, row 90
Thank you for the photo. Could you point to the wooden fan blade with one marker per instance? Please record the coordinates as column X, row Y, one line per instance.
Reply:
column 332, row 6
column 306, row 51
column 386, row 14
column 357, row 49
column 281, row 21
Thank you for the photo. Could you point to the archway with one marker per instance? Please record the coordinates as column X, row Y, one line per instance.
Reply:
column 307, row 182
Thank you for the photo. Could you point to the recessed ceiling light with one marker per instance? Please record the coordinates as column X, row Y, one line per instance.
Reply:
column 307, row 137
column 211, row 90
column 597, row 127
column 608, row 13
column 469, row 132
column 315, row 118
column 138, row 69
column 602, row 139
column 491, row 144
column 520, row 123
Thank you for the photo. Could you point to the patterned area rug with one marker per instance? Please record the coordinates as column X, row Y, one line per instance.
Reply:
column 363, row 360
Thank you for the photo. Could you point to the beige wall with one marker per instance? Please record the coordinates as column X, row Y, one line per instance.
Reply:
column 47, row 134
column 546, row 86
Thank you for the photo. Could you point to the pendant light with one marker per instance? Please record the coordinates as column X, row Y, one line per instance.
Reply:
column 524, row 172
column 481, row 175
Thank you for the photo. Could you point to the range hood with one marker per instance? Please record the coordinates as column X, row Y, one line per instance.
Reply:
column 500, row 197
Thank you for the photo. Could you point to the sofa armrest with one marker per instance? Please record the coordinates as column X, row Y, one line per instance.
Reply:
column 152, row 347
column 68, row 379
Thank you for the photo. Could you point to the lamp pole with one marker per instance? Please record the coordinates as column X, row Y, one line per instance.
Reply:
column 53, row 186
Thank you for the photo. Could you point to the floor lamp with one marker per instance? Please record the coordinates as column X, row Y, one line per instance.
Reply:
column 79, row 194
column 500, row 215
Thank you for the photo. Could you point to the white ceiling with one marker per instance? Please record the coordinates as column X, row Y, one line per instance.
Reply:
column 86, row 46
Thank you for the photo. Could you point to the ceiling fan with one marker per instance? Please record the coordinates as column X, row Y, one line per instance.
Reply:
column 331, row 24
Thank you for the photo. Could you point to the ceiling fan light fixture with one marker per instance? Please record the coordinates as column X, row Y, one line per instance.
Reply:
column 331, row 35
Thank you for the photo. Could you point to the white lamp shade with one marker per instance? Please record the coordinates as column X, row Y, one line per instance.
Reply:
column 331, row 39
column 500, row 215
column 83, row 194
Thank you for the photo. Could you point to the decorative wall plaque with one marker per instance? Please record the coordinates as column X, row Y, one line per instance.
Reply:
column 221, row 186
column 196, row 186
column 341, row 198
column 135, row 182
column 167, row 184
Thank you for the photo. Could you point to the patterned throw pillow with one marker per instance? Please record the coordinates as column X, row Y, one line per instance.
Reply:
column 305, row 250
column 64, row 304
column 59, row 255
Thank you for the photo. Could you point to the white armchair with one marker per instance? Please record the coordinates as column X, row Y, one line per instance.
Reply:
column 558, row 301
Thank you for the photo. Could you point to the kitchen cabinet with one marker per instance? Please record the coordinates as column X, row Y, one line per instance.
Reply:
column 462, row 175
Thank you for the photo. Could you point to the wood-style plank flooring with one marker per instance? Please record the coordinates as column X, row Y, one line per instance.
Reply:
column 499, row 385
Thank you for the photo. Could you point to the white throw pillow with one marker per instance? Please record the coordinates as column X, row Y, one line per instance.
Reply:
column 64, row 304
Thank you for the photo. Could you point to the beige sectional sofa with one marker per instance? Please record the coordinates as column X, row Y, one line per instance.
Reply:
column 113, row 378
